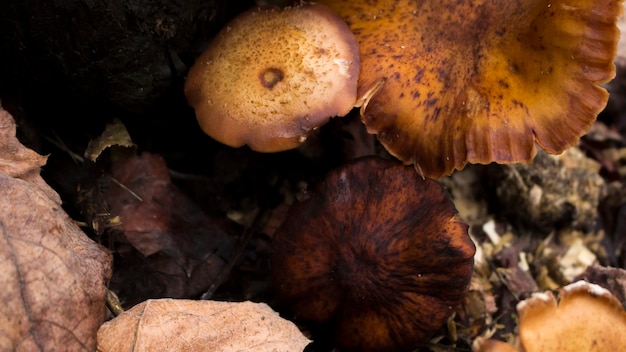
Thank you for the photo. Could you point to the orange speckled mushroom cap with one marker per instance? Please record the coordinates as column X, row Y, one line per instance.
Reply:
column 482, row 80
column 272, row 76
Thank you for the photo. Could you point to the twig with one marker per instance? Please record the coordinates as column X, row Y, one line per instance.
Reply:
column 113, row 303
column 125, row 188
column 57, row 142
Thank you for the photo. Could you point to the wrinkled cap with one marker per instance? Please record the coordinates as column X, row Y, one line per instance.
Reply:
column 586, row 318
column 377, row 250
column 271, row 77
column 484, row 80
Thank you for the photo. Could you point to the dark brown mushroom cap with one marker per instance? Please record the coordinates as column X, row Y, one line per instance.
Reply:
column 379, row 251
column 271, row 77
column 482, row 81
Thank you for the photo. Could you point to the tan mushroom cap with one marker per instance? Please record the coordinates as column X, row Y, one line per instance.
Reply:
column 482, row 80
column 271, row 76
column 586, row 318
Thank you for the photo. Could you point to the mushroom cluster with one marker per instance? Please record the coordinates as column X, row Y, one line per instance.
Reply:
column 377, row 251
column 441, row 83
column 271, row 77
column 484, row 80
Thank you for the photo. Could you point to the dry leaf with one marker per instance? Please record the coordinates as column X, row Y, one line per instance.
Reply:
column 52, row 275
column 115, row 134
column 186, row 325
column 176, row 250
column 156, row 216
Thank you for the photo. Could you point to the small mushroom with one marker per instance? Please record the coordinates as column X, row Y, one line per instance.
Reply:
column 587, row 318
column 481, row 81
column 377, row 252
column 272, row 76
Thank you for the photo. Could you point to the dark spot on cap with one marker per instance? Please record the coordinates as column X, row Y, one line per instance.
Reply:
column 270, row 76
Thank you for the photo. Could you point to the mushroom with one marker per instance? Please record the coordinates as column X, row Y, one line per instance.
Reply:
column 587, row 318
column 481, row 81
column 377, row 252
column 271, row 77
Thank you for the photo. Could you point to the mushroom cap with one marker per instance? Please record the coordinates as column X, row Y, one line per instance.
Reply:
column 377, row 250
column 587, row 318
column 482, row 344
column 272, row 76
column 484, row 80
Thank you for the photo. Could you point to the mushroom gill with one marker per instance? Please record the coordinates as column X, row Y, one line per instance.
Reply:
column 481, row 81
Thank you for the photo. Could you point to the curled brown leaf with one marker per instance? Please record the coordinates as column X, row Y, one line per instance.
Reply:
column 52, row 275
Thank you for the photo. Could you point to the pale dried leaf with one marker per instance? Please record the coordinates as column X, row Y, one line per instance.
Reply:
column 187, row 325
column 52, row 275
column 115, row 134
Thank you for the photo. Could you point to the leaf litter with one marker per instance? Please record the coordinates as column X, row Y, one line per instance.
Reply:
column 557, row 220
